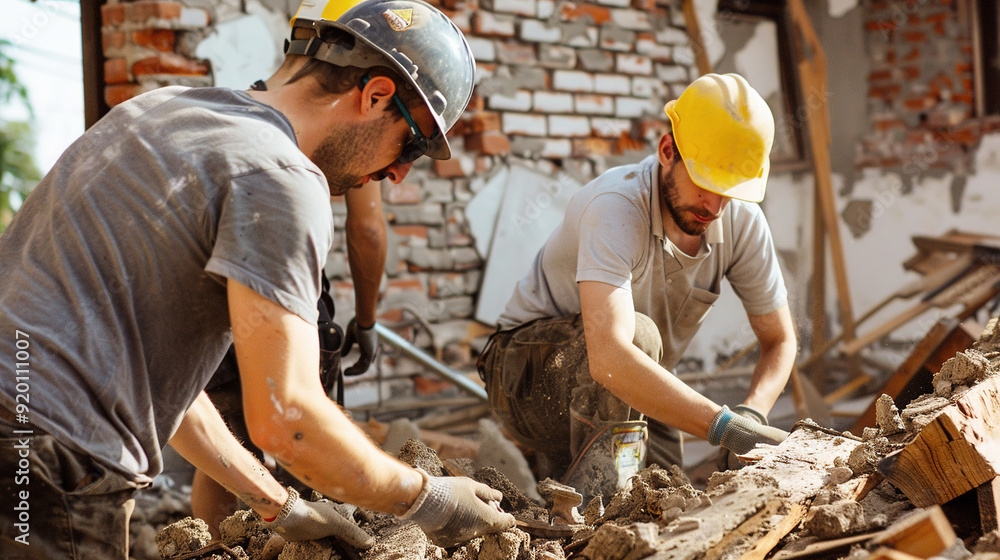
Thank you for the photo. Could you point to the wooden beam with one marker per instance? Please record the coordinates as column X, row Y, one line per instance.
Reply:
column 923, row 535
column 890, row 554
column 696, row 37
column 989, row 505
column 957, row 452
column 94, row 106
column 770, row 540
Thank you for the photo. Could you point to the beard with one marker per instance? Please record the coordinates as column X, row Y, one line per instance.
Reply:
column 682, row 215
column 343, row 152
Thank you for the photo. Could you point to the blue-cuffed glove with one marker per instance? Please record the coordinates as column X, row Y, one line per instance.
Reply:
column 367, row 339
column 740, row 434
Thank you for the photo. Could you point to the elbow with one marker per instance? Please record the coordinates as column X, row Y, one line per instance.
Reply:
column 272, row 428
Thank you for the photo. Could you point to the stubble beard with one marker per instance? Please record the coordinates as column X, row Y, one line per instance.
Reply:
column 681, row 214
column 343, row 152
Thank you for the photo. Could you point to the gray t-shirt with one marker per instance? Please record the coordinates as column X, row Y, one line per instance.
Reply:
column 613, row 233
column 116, row 264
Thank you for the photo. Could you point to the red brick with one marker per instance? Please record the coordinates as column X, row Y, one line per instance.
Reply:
column 572, row 11
column 913, row 54
column 115, row 71
column 919, row 103
column 112, row 40
column 885, row 92
column 449, row 168
column 144, row 10
column 476, row 102
column 879, row 75
column 962, row 98
column 889, row 124
column 913, row 20
column 489, row 143
column 115, row 94
column 482, row 121
column 112, row 14
column 403, row 285
column 963, row 68
column 967, row 84
column 626, row 143
column 158, row 39
column 890, row 56
column 877, row 7
column 411, row 231
column 915, row 36
column 169, row 63
column 910, row 72
column 881, row 25
column 939, row 17
column 939, row 29
column 483, row 164
column 585, row 147
column 644, row 5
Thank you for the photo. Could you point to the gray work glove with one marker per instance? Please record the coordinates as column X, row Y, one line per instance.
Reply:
column 367, row 339
column 453, row 510
column 740, row 434
column 727, row 460
column 301, row 520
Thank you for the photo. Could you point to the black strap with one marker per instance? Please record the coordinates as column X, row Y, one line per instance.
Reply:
column 331, row 339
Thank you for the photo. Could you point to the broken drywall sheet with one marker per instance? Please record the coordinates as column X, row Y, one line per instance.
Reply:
column 533, row 207
column 239, row 57
column 837, row 8
column 481, row 212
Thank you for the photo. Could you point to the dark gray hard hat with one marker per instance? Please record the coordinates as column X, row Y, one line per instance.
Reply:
column 415, row 39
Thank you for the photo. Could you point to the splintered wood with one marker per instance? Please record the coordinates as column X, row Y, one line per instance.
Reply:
column 956, row 452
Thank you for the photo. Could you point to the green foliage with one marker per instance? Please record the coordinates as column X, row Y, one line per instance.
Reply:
column 18, row 171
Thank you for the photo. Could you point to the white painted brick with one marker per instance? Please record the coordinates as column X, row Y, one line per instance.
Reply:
column 573, row 80
column 539, row 32
column 611, row 128
column 671, row 73
column 632, row 19
column 683, row 55
column 587, row 39
column 634, row 64
column 484, row 50
column 556, row 56
column 654, row 50
column 560, row 125
column 648, row 87
column 463, row 20
column 615, row 38
column 545, row 8
column 192, row 18
column 519, row 123
column 521, row 101
column 615, row 3
column 497, row 25
column 677, row 18
column 551, row 102
column 556, row 148
column 632, row 107
column 672, row 36
column 595, row 104
column 519, row 7
column 612, row 83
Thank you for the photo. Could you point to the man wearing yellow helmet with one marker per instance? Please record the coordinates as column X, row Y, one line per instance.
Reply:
column 614, row 297
column 189, row 219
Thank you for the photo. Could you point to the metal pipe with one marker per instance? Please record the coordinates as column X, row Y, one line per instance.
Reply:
column 428, row 361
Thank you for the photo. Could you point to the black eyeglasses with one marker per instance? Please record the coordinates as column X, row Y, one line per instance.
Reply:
column 418, row 144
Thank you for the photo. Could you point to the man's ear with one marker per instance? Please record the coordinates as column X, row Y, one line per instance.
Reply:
column 377, row 95
column 666, row 151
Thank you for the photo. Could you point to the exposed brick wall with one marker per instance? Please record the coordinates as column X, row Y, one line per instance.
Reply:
column 920, row 94
column 145, row 47
column 561, row 86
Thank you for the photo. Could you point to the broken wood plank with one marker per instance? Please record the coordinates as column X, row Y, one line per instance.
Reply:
column 923, row 534
column 890, row 554
column 989, row 505
column 753, row 526
column 955, row 452
column 826, row 547
column 767, row 543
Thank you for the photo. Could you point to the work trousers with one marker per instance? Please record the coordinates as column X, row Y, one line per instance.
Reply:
column 541, row 391
column 62, row 503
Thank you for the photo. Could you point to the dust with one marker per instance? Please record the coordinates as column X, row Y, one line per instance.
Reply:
column 187, row 535
column 964, row 370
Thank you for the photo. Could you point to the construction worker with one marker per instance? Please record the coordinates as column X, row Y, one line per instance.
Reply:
column 587, row 342
column 365, row 233
column 188, row 219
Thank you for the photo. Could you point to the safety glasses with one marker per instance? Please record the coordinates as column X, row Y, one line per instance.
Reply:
column 418, row 144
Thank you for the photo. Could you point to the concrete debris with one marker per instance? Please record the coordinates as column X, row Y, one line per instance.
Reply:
column 887, row 416
column 184, row 536
column 512, row 544
column 514, row 501
column 308, row 550
column 416, row 454
column 834, row 520
column 964, row 370
column 990, row 542
column 865, row 457
column 614, row 542
column 497, row 451
column 921, row 411
column 402, row 540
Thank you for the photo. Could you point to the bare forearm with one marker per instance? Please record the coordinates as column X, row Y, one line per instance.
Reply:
column 771, row 375
column 204, row 440
column 366, row 249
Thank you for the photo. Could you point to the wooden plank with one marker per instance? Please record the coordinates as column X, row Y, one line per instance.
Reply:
column 826, row 547
column 989, row 505
column 820, row 343
column 767, row 543
column 747, row 530
column 956, row 452
column 923, row 535
column 943, row 341
column 696, row 37
column 890, row 554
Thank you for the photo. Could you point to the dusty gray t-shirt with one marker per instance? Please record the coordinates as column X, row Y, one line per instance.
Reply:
column 115, row 266
column 613, row 233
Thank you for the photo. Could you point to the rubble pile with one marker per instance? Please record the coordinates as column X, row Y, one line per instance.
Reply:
column 819, row 494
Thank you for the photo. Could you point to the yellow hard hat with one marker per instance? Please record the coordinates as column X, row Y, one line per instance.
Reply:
column 315, row 10
column 723, row 130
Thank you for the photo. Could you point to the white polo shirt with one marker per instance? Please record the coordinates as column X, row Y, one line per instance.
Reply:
column 613, row 233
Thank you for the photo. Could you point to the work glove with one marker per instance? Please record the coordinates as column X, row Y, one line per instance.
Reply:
column 727, row 460
column 367, row 339
column 740, row 434
column 301, row 520
column 453, row 510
